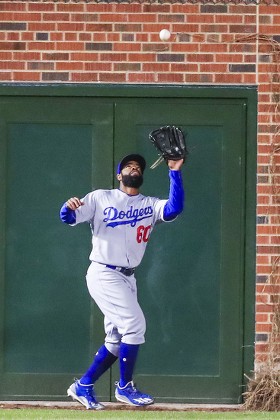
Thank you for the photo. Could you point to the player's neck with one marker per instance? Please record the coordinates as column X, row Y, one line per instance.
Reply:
column 129, row 190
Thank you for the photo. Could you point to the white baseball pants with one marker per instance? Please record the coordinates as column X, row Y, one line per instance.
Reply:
column 116, row 296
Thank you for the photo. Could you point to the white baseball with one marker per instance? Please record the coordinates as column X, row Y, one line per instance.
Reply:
column 164, row 34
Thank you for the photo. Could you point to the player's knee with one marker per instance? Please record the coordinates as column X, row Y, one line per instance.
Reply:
column 135, row 331
column 113, row 348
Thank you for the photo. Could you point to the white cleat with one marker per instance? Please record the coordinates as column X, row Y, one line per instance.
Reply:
column 130, row 395
column 84, row 394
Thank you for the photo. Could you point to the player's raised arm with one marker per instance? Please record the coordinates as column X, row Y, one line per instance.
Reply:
column 170, row 143
column 175, row 203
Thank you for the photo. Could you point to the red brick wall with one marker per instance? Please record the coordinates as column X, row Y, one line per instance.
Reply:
column 268, row 228
column 47, row 41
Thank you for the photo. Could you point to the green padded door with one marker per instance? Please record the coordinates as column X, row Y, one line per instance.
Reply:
column 49, row 152
column 196, row 280
column 190, row 283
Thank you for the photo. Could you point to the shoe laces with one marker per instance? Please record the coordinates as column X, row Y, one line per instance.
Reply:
column 88, row 391
column 131, row 388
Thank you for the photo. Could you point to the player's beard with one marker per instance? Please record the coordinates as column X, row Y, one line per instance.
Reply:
column 132, row 181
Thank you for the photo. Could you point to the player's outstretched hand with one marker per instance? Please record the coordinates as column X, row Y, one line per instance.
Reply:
column 74, row 203
column 175, row 165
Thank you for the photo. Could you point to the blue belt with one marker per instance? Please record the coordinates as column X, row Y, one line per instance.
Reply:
column 123, row 270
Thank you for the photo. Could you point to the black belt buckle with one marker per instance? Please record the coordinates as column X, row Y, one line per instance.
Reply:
column 127, row 271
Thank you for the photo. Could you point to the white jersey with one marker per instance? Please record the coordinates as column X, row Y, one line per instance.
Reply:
column 121, row 225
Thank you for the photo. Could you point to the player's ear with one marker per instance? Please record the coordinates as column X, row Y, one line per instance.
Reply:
column 119, row 177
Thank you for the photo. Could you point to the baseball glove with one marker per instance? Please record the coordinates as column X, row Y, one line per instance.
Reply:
column 170, row 144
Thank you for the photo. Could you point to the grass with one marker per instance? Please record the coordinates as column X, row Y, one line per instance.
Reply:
column 42, row 413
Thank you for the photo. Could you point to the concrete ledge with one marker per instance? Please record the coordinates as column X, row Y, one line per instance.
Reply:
column 119, row 406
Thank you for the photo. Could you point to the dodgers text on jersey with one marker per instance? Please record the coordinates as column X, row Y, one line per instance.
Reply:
column 114, row 217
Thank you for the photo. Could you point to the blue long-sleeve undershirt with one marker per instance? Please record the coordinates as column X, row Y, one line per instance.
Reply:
column 175, row 203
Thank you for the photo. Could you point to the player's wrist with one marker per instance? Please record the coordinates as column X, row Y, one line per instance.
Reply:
column 175, row 165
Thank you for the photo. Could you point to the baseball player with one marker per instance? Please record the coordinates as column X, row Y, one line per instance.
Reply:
column 121, row 221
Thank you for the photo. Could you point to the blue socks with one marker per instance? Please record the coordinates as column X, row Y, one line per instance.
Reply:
column 128, row 356
column 102, row 361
